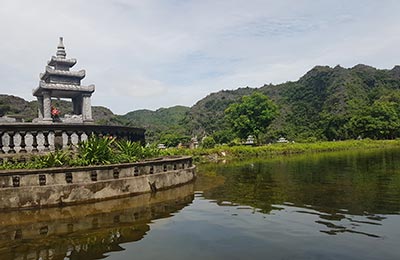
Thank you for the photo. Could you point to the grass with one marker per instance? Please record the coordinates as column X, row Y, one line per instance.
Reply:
column 239, row 152
column 98, row 151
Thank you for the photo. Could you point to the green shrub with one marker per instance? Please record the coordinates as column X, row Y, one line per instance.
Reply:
column 150, row 151
column 208, row 142
column 128, row 151
column 95, row 150
column 53, row 159
column 223, row 136
column 13, row 165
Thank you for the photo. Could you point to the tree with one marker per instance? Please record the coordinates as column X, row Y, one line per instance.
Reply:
column 379, row 121
column 208, row 142
column 252, row 115
column 173, row 139
column 223, row 136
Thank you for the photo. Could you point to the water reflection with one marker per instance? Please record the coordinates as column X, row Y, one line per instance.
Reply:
column 348, row 191
column 322, row 206
column 86, row 231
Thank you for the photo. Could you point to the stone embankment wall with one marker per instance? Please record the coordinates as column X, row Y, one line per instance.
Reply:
column 62, row 186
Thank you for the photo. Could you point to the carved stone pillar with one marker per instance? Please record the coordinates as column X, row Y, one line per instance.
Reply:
column 47, row 106
column 40, row 107
column 86, row 108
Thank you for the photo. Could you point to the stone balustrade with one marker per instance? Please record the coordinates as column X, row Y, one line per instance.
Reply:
column 31, row 138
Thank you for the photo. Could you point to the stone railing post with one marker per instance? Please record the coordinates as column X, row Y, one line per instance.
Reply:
column 58, row 140
column 1, row 143
column 22, row 143
column 79, row 133
column 11, row 144
column 34, row 141
column 46, row 143
column 51, row 140
column 69, row 141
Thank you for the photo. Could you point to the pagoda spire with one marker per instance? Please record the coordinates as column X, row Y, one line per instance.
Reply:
column 58, row 81
column 61, row 49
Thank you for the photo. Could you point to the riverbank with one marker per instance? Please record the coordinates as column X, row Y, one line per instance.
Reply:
column 242, row 152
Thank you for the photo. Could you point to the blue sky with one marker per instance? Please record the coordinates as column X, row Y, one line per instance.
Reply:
column 152, row 54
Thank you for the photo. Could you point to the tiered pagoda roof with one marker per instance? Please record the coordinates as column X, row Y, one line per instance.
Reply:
column 58, row 78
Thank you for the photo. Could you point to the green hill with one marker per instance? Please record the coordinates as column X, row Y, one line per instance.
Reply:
column 324, row 104
column 159, row 122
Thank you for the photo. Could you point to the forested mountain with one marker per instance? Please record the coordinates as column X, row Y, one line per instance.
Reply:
column 326, row 103
column 207, row 115
column 163, row 121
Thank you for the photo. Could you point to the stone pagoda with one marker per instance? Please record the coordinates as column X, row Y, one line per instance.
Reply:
column 59, row 82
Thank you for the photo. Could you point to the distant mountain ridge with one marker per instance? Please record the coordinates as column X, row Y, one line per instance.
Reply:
column 322, row 104
column 159, row 122
column 162, row 117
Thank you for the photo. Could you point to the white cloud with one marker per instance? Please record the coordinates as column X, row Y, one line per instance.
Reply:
column 138, row 87
column 150, row 54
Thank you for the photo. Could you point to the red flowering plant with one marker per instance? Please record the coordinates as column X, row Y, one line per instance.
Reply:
column 55, row 113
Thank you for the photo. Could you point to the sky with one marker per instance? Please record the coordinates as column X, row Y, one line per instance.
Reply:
column 148, row 54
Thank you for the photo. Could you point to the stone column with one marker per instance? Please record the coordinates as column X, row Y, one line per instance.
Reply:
column 77, row 105
column 40, row 107
column 86, row 108
column 47, row 106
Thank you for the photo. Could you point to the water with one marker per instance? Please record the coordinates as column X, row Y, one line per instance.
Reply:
column 324, row 206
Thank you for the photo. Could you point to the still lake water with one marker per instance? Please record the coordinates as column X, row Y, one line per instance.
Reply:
column 319, row 206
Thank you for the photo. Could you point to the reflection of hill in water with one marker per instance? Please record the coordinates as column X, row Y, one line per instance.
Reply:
column 356, row 181
column 336, row 187
column 86, row 231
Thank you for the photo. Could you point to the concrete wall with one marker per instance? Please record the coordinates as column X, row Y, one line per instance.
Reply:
column 62, row 186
